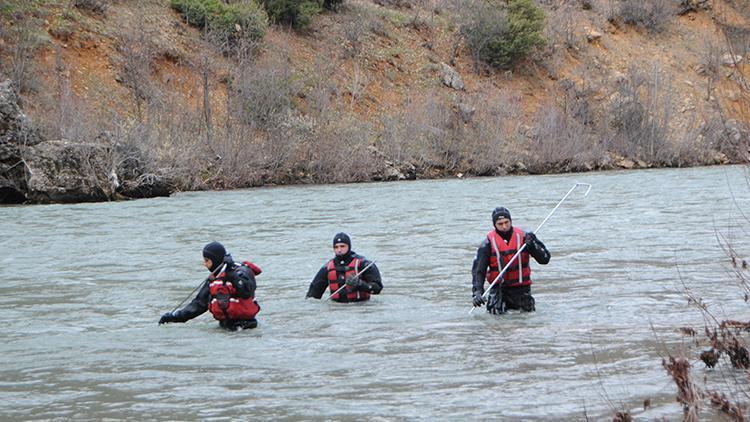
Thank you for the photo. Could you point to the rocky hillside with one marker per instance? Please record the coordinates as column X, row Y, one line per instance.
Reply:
column 375, row 90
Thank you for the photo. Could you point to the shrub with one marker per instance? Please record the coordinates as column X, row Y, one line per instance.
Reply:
column 639, row 116
column 196, row 12
column 399, row 4
column 500, row 34
column 234, row 21
column 137, row 62
column 332, row 4
column 95, row 6
column 261, row 94
column 22, row 69
column 652, row 15
column 439, row 135
column 296, row 13
column 61, row 29
column 562, row 27
column 561, row 141
column 250, row 17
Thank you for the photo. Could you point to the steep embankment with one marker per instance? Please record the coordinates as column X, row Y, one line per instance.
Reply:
column 365, row 93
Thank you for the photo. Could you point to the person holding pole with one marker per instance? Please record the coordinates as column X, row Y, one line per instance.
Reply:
column 228, row 292
column 500, row 250
column 349, row 276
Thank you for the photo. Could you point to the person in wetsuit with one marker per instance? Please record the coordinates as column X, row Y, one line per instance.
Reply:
column 342, row 270
column 228, row 292
column 495, row 252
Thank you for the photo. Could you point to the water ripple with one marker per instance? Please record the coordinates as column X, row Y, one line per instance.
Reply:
column 84, row 285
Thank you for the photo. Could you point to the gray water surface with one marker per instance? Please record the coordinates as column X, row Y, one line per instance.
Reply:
column 84, row 285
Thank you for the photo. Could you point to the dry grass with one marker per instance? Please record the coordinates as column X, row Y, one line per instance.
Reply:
column 357, row 93
column 723, row 347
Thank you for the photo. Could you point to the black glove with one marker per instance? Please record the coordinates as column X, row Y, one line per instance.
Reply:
column 478, row 299
column 353, row 283
column 530, row 241
column 168, row 317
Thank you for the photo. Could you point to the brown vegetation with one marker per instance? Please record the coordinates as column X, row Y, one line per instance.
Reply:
column 728, row 354
column 358, row 95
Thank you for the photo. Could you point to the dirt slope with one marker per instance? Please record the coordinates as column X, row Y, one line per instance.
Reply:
column 372, row 61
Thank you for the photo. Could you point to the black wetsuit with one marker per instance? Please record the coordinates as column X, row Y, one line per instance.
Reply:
column 243, row 280
column 370, row 280
column 512, row 297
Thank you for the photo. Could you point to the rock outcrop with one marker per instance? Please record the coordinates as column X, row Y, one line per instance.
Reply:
column 63, row 171
column 687, row 6
column 36, row 170
column 16, row 134
column 451, row 78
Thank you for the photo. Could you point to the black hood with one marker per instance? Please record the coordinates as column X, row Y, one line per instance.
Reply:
column 342, row 237
column 500, row 212
column 216, row 252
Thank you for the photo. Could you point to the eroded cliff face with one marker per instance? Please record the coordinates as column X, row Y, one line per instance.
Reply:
column 379, row 90
column 17, row 134
column 36, row 170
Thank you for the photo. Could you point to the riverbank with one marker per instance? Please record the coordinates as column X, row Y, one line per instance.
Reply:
column 127, row 99
column 38, row 170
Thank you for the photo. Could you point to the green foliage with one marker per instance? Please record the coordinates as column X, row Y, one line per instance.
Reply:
column 502, row 33
column 237, row 20
column 94, row 6
column 332, row 4
column 18, row 8
column 220, row 17
column 61, row 28
column 296, row 13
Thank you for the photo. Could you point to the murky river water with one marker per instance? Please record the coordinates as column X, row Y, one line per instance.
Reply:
column 84, row 285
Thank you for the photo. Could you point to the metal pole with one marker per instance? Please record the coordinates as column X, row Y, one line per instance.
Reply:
column 355, row 275
column 499, row 276
column 196, row 288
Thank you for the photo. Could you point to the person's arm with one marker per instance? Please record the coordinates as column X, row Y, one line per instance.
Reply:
column 243, row 280
column 370, row 280
column 536, row 249
column 319, row 284
column 479, row 267
column 196, row 307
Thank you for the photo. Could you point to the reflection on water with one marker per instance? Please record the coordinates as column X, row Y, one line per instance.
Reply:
column 84, row 286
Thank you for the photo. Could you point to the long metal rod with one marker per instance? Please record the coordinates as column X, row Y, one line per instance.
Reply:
column 196, row 288
column 355, row 275
column 539, row 227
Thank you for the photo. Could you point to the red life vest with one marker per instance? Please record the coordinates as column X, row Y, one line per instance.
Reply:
column 225, row 303
column 336, row 279
column 254, row 268
column 519, row 273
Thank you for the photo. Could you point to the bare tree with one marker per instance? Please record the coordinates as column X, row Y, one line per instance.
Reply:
column 640, row 115
column 711, row 65
column 206, row 71
column 137, row 61
column 22, row 67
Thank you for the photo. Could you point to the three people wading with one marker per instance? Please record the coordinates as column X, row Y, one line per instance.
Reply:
column 229, row 291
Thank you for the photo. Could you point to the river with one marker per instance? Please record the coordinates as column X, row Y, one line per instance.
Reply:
column 84, row 285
